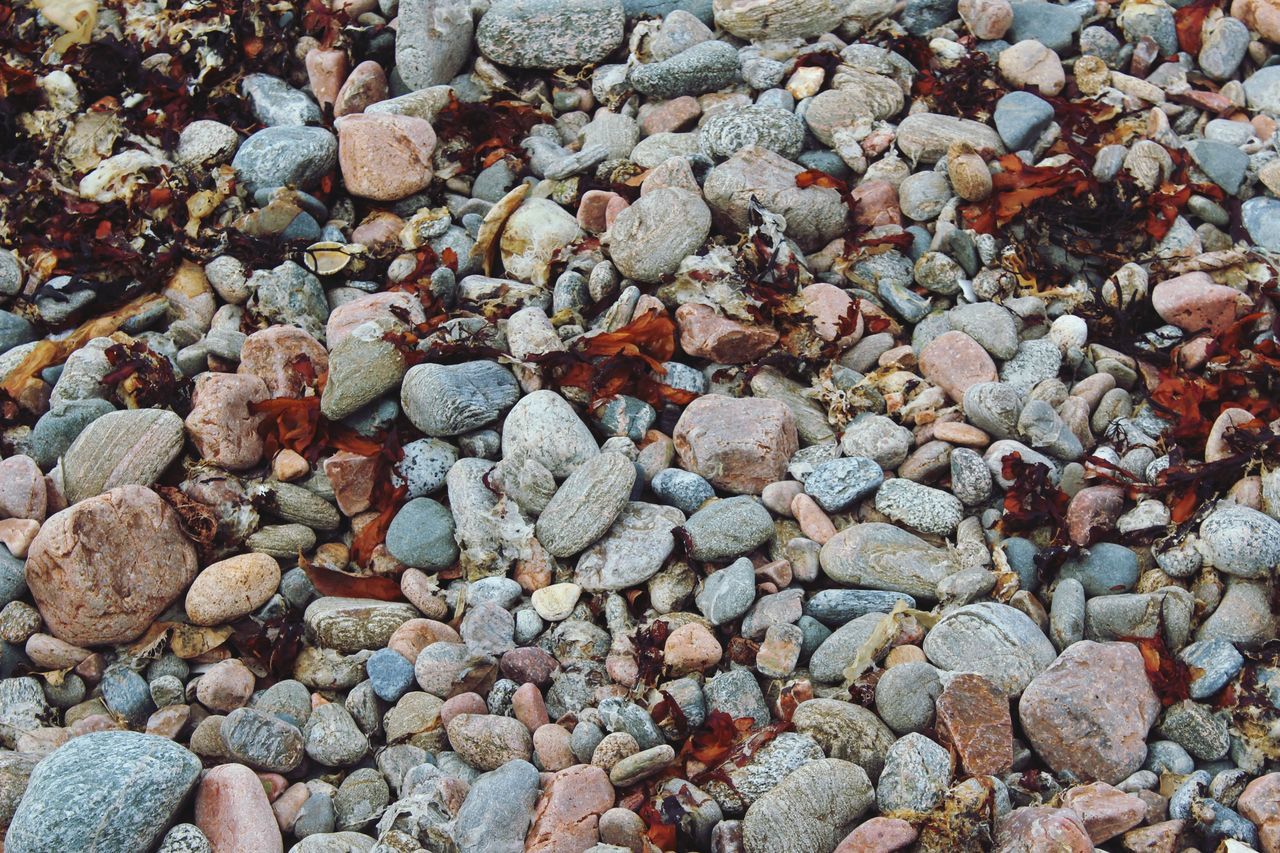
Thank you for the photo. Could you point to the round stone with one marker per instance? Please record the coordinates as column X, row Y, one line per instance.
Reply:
column 104, row 569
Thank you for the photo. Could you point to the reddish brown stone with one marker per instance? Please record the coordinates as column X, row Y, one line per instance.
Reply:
column 740, row 444
column 1158, row 838
column 828, row 305
column 384, row 156
column 1090, row 711
column 366, row 85
column 1093, row 511
column 1195, row 303
column 706, row 334
column 1106, row 811
column 879, row 835
column 352, row 476
column 953, row 361
column 1038, row 829
column 271, row 354
column 221, row 424
column 876, row 204
column 233, row 812
column 567, row 816
column 973, row 719
column 104, row 569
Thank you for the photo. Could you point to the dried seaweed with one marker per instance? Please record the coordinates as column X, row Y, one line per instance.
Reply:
column 473, row 135
column 624, row 361
column 142, row 378
column 1170, row 678
column 271, row 645
column 330, row 582
column 1032, row 500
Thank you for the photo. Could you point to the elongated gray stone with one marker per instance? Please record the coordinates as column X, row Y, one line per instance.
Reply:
column 880, row 556
column 586, row 504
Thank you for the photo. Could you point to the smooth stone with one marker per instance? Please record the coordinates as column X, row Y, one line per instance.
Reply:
column 993, row 640
column 881, row 556
column 286, row 156
column 103, row 791
column 128, row 447
column 422, row 535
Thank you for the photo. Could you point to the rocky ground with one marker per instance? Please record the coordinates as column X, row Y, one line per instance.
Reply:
column 484, row 426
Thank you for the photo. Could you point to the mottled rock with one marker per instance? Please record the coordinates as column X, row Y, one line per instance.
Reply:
column 103, row 570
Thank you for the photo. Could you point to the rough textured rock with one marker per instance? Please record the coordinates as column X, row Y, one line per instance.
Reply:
column 105, row 791
column 130, row 447
column 738, row 444
column 1090, row 711
column 814, row 215
column 103, row 570
column 810, row 810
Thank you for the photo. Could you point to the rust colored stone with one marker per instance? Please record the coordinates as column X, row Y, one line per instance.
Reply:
column 973, row 719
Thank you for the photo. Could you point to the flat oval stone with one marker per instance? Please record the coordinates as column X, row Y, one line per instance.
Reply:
column 1194, row 303
column 129, row 447
column 926, row 137
column 881, row 556
column 352, row 624
column 1240, row 541
column 810, row 810
column 231, row 588
column 586, row 504
column 531, row 34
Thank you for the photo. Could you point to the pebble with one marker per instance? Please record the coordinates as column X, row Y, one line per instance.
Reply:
column 586, row 504
column 1240, row 541
column 262, row 740
column 1213, row 663
column 651, row 237
column 726, row 529
column 1021, row 118
column 955, row 362
column 919, row 507
column 1194, row 303
column 768, row 127
column 915, row 776
column 447, row 400
column 631, row 551
column 704, row 67
column 422, row 535
column 811, row 808
column 993, row 640
column 838, row 484
column 906, row 694
column 880, row 556
column 873, row 437
column 728, row 593
column 122, row 448
column 432, row 41
column 286, row 156
column 814, row 215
